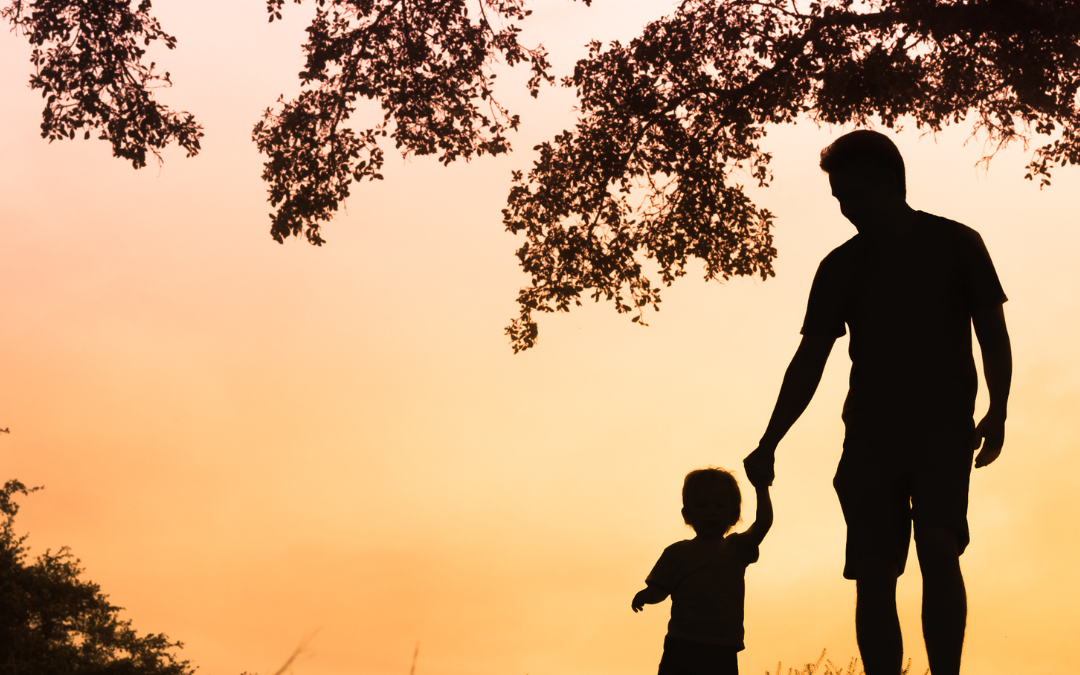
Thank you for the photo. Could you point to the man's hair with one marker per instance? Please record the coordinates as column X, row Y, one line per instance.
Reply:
column 868, row 146
column 714, row 478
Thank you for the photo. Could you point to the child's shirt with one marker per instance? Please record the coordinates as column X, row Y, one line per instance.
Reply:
column 705, row 578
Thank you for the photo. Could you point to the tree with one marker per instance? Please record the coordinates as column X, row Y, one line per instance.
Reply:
column 430, row 65
column 89, row 67
column 668, row 118
column 52, row 621
column 667, row 121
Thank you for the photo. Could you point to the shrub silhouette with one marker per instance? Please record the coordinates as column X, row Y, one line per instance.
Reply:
column 52, row 621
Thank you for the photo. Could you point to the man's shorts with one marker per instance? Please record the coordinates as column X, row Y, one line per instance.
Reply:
column 885, row 484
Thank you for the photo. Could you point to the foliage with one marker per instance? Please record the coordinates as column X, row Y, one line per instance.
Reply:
column 51, row 621
column 91, row 71
column 670, row 126
column 668, row 120
column 430, row 66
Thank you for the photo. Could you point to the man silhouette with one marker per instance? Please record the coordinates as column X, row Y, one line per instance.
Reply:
column 908, row 286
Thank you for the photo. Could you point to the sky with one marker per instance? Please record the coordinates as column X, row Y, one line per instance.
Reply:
column 256, row 447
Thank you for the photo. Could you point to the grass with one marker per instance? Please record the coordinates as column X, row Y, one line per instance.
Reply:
column 826, row 667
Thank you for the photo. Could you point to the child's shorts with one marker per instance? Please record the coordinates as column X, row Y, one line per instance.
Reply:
column 885, row 485
column 686, row 657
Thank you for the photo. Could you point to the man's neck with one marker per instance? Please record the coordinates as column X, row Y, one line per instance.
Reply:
column 894, row 224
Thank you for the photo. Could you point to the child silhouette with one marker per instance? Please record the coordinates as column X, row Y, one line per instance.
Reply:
column 704, row 575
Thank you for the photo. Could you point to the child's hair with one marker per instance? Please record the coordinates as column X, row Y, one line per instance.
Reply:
column 870, row 146
column 714, row 478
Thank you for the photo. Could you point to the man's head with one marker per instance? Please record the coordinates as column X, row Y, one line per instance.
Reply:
column 712, row 503
column 862, row 149
column 867, row 176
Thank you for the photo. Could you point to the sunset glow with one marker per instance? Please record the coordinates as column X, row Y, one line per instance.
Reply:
column 255, row 447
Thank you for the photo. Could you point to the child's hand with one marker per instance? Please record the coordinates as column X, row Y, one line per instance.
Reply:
column 638, row 603
column 758, row 477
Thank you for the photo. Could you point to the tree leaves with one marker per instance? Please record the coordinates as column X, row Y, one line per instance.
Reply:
column 668, row 121
column 428, row 62
column 90, row 69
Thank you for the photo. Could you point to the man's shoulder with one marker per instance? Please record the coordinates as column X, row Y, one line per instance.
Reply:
column 944, row 227
column 842, row 257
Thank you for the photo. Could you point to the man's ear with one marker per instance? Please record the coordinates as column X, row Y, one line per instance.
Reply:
column 895, row 182
column 888, row 176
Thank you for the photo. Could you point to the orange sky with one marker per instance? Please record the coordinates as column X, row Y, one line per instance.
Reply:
column 251, row 446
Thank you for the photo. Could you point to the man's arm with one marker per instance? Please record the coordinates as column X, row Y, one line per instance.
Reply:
column 800, row 383
column 993, row 336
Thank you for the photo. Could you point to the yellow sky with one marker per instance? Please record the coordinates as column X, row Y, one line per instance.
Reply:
column 251, row 446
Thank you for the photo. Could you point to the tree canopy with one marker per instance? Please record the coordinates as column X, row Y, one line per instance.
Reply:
column 667, row 122
column 52, row 621
column 90, row 68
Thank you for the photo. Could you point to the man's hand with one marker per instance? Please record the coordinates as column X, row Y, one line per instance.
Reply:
column 759, row 465
column 997, row 368
column 990, row 434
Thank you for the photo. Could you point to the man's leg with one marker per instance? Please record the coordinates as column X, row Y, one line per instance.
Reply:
column 944, row 605
column 877, row 626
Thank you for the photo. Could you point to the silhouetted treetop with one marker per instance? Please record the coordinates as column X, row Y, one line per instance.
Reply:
column 668, row 126
column 52, row 621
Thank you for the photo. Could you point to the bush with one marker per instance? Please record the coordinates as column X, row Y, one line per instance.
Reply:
column 52, row 621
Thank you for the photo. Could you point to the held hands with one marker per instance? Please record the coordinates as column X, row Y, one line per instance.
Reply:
column 990, row 434
column 759, row 466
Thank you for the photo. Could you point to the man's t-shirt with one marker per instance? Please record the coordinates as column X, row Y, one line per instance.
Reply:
column 908, row 303
column 705, row 579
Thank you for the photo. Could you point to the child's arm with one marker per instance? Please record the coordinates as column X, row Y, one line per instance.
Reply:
column 764, row 518
column 650, row 595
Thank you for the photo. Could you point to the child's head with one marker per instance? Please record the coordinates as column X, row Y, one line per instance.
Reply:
column 712, row 503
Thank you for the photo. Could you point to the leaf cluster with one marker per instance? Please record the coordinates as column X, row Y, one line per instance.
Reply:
column 90, row 69
column 670, row 121
column 429, row 63
column 52, row 621
column 670, row 129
